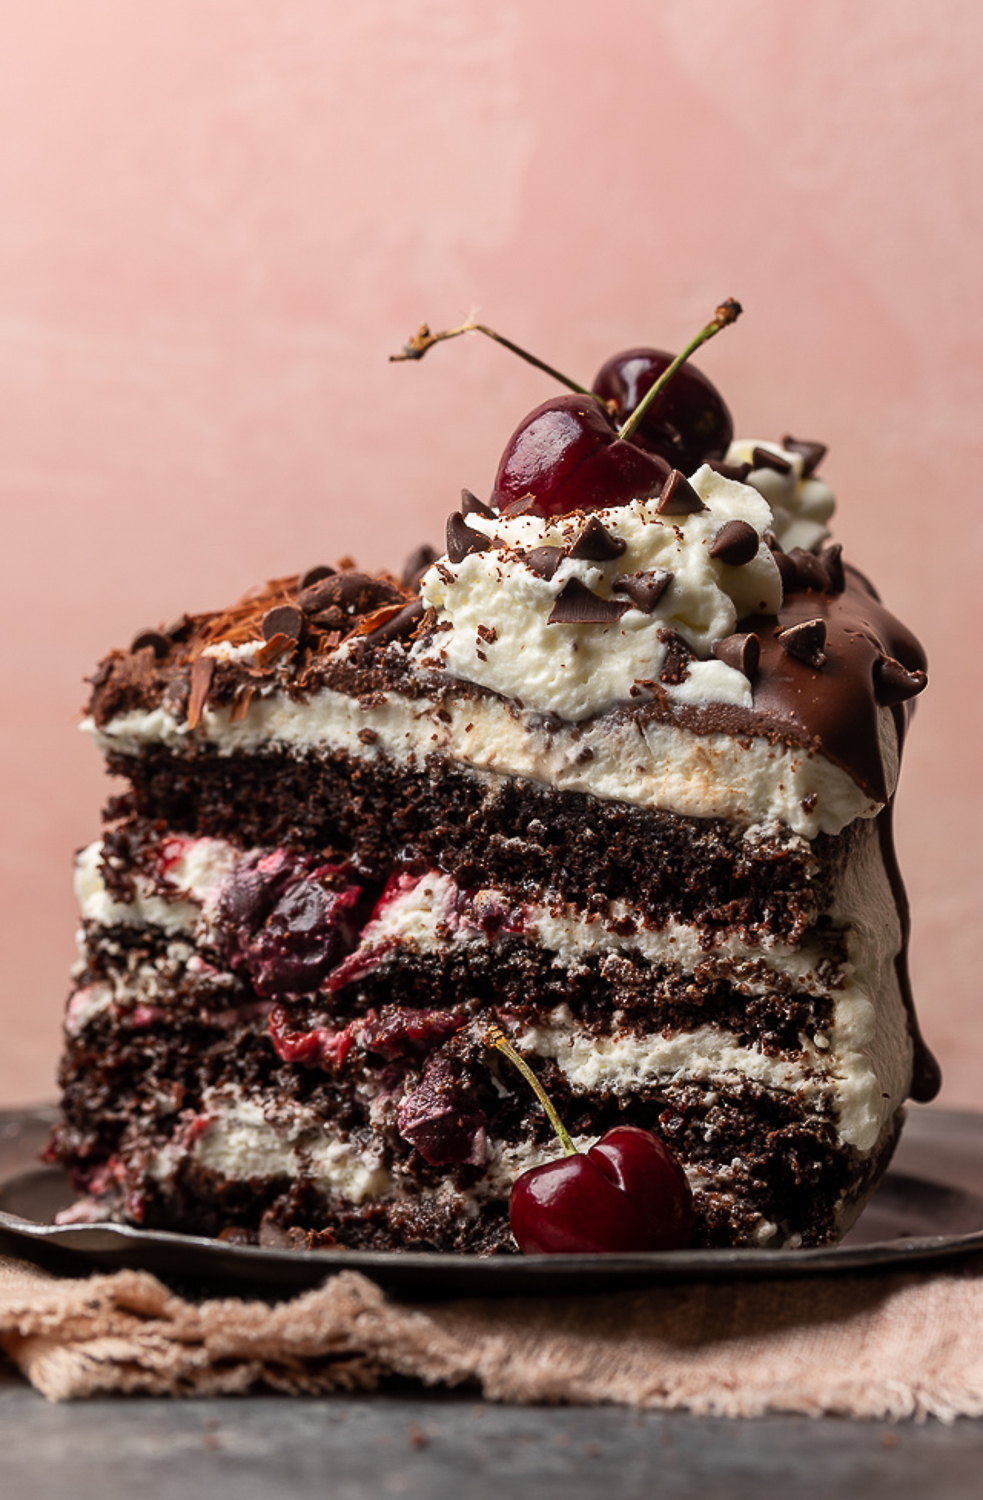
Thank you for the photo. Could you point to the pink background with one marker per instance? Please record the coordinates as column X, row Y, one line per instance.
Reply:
column 220, row 216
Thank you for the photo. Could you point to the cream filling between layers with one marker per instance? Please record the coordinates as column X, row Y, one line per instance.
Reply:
column 749, row 781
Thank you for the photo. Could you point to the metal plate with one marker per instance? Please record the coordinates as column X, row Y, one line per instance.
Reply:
column 928, row 1207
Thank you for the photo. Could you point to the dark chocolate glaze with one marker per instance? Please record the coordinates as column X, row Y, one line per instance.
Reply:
column 926, row 1073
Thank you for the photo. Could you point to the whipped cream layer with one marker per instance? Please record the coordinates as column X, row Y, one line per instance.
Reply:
column 493, row 608
column 801, row 504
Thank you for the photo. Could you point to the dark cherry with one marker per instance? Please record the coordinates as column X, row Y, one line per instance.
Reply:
column 627, row 1193
column 568, row 455
column 686, row 424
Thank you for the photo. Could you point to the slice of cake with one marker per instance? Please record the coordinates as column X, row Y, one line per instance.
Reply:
column 616, row 778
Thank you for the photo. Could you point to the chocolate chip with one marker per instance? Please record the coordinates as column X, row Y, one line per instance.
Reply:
column 831, row 558
column 644, row 589
column 472, row 506
column 520, row 506
column 675, row 668
column 543, row 561
column 596, row 544
column 678, row 497
column 417, row 564
column 763, row 458
column 331, row 618
column 283, row 619
column 355, row 593
column 578, row 605
column 787, row 571
column 809, row 570
column 805, row 641
column 400, row 624
column 743, row 652
column 155, row 639
column 893, row 683
column 462, row 539
column 812, row 453
column 314, row 575
column 735, row 544
column 739, row 472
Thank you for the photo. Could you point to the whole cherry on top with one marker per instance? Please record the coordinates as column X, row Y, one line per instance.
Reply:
column 626, row 1193
column 571, row 454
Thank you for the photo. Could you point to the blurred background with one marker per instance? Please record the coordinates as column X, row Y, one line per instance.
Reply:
column 219, row 217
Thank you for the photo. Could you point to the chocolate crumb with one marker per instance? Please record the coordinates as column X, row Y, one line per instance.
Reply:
column 368, row 736
column 596, row 544
column 578, row 605
column 735, row 544
column 284, row 619
column 763, row 458
column 893, row 683
column 812, row 453
column 315, row 575
column 543, row 561
column 488, row 634
column 743, row 652
column 472, row 506
column 806, row 642
column 644, row 589
column 155, row 639
column 462, row 539
column 678, row 497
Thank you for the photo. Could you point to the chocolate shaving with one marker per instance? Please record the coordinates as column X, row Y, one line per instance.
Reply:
column 520, row 506
column 763, row 458
column 156, row 640
column 417, row 564
column 644, row 589
column 805, row 641
column 543, row 561
column 398, row 623
column 810, row 573
column 739, row 472
column 578, row 605
column 894, row 684
column 355, row 593
column 743, row 652
column 273, row 649
column 315, row 575
column 678, row 497
column 472, row 506
column 735, row 544
column 596, row 544
column 462, row 539
column 202, row 669
column 812, row 453
column 240, row 707
column 285, row 619
column 831, row 558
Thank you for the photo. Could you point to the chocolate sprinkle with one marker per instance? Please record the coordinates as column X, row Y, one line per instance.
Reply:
column 315, row 575
column 743, row 652
column 285, row 619
column 739, row 472
column 805, row 641
column 809, row 571
column 763, row 458
column 578, row 605
column 893, row 683
column 735, row 544
column 543, row 561
column 678, row 497
column 155, row 639
column 812, row 453
column 417, row 564
column 462, row 539
column 596, row 544
column 472, row 506
column 644, row 589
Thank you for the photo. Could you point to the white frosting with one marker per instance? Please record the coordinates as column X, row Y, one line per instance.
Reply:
column 188, row 881
column 749, row 781
column 576, row 671
column 801, row 507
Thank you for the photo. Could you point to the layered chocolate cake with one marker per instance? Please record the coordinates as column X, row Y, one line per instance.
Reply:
column 614, row 774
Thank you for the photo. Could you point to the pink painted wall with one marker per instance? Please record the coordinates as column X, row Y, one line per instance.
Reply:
column 219, row 217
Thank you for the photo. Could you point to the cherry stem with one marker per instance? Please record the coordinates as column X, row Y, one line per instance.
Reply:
column 424, row 340
column 727, row 312
column 495, row 1037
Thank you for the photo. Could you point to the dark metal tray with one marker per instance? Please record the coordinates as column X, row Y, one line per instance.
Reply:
column 928, row 1207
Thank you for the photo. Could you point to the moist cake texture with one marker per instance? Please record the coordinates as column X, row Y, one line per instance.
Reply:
column 617, row 781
